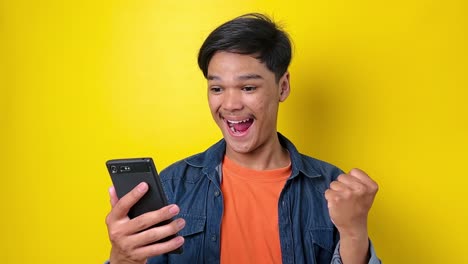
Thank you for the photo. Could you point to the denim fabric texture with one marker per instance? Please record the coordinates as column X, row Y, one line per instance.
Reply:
column 307, row 234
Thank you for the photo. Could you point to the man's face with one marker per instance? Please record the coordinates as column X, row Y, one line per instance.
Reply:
column 244, row 97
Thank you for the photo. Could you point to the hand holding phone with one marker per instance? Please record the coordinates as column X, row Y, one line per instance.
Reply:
column 150, row 230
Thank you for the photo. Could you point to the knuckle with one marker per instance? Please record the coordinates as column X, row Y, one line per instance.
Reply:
column 108, row 219
column 375, row 187
column 361, row 189
column 130, row 198
column 159, row 234
column 336, row 185
column 159, row 249
column 164, row 214
column 355, row 171
column 165, row 247
column 171, row 228
column 125, row 247
column 176, row 225
column 154, row 235
column 164, row 231
column 337, row 199
column 359, row 192
column 120, row 206
column 341, row 177
column 157, row 216
column 347, row 194
column 135, row 194
column 114, row 235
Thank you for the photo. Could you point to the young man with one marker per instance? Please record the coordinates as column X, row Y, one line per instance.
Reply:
column 251, row 197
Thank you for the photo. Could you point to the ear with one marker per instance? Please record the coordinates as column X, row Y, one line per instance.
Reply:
column 284, row 87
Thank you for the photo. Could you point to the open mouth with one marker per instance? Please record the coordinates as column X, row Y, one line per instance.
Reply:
column 239, row 127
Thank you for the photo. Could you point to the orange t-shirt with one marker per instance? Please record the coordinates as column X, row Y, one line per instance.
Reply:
column 249, row 228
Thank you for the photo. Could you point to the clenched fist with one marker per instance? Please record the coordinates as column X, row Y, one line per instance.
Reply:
column 349, row 199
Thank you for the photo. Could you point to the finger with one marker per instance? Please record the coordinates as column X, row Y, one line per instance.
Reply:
column 122, row 207
column 149, row 219
column 330, row 194
column 351, row 182
column 113, row 196
column 160, row 248
column 362, row 176
column 338, row 186
column 157, row 233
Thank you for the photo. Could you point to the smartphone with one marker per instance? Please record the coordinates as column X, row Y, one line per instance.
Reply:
column 126, row 174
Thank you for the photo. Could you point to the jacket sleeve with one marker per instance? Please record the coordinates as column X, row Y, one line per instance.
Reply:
column 163, row 259
column 336, row 259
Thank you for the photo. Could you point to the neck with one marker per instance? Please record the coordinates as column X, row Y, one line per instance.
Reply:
column 266, row 157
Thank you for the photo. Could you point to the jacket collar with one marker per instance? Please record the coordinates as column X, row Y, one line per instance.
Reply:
column 298, row 161
column 213, row 156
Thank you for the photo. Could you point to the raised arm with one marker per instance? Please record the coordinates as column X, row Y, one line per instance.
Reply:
column 350, row 198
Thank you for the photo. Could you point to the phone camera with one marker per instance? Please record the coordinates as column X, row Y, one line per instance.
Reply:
column 114, row 169
column 125, row 168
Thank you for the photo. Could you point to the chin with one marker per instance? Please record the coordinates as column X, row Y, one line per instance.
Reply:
column 238, row 147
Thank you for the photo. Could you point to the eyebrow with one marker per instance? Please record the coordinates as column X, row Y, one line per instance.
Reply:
column 241, row 77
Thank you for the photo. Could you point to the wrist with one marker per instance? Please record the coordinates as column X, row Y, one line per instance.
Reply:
column 354, row 233
column 354, row 247
column 119, row 259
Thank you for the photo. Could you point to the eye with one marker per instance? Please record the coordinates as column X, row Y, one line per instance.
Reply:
column 216, row 89
column 249, row 88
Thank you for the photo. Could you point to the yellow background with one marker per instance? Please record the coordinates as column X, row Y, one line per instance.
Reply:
column 381, row 86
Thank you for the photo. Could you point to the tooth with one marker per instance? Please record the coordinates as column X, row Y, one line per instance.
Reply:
column 238, row 122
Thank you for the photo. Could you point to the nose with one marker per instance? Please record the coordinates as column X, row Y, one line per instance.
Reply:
column 232, row 100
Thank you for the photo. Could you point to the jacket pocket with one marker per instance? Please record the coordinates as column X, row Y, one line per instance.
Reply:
column 323, row 244
column 194, row 236
column 193, row 224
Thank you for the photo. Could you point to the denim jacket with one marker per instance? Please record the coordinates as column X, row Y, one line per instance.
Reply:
column 307, row 234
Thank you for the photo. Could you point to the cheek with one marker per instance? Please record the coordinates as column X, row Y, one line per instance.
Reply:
column 269, row 112
column 266, row 106
column 257, row 103
column 211, row 102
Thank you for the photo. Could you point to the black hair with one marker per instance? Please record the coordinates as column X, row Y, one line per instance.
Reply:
column 250, row 34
